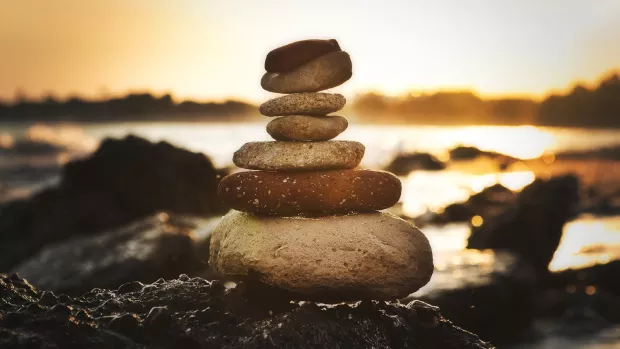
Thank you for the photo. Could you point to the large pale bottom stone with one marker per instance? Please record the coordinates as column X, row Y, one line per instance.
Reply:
column 329, row 259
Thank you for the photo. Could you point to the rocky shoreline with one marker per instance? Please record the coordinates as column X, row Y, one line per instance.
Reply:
column 518, row 297
column 196, row 313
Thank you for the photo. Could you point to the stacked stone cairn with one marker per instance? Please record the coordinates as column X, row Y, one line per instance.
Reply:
column 306, row 221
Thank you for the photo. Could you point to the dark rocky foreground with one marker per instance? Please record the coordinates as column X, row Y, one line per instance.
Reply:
column 195, row 313
column 162, row 245
column 124, row 180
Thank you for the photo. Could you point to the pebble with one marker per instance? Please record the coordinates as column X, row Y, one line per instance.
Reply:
column 299, row 156
column 307, row 128
column 290, row 56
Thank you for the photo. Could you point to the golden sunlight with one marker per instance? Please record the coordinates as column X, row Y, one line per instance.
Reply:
column 586, row 242
column 490, row 138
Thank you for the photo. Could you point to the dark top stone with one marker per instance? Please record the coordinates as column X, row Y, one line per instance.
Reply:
column 196, row 313
column 289, row 57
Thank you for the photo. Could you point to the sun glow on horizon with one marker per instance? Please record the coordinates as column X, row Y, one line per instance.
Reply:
column 215, row 50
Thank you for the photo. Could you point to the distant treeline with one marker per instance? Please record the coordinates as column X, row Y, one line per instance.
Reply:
column 134, row 107
column 586, row 107
column 594, row 107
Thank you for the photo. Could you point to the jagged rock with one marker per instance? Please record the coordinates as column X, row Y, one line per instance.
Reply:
column 288, row 57
column 125, row 179
column 403, row 164
column 489, row 202
column 308, row 103
column 154, row 247
column 195, row 313
column 533, row 226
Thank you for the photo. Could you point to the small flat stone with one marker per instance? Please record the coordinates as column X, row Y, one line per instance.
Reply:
column 332, row 259
column 308, row 103
column 299, row 156
column 310, row 193
column 290, row 56
column 322, row 73
column 306, row 128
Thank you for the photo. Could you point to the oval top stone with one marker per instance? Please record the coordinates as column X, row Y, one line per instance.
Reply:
column 308, row 103
column 322, row 73
column 291, row 56
column 299, row 156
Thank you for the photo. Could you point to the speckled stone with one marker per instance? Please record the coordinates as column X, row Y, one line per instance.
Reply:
column 290, row 56
column 350, row 257
column 299, row 156
column 310, row 193
column 307, row 128
column 308, row 103
column 322, row 73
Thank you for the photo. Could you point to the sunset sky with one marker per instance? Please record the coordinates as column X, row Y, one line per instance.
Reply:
column 215, row 49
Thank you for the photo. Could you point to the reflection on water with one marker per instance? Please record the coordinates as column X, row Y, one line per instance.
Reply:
column 586, row 242
column 510, row 143
column 422, row 191
column 431, row 191
column 454, row 265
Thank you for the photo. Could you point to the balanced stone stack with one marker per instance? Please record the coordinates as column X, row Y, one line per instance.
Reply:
column 307, row 221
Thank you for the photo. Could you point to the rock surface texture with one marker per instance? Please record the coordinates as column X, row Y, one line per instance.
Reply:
column 299, row 156
column 306, row 225
column 196, row 313
column 319, row 74
column 303, row 104
column 316, row 193
column 306, row 128
column 122, row 181
column 350, row 257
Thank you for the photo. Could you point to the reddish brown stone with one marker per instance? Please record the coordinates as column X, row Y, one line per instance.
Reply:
column 289, row 57
column 310, row 193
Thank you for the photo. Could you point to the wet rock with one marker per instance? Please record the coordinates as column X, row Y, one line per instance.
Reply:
column 122, row 181
column 500, row 308
column 472, row 153
column 609, row 153
column 532, row 227
column 146, row 250
column 307, row 128
column 406, row 163
column 488, row 203
column 202, row 316
column 603, row 277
